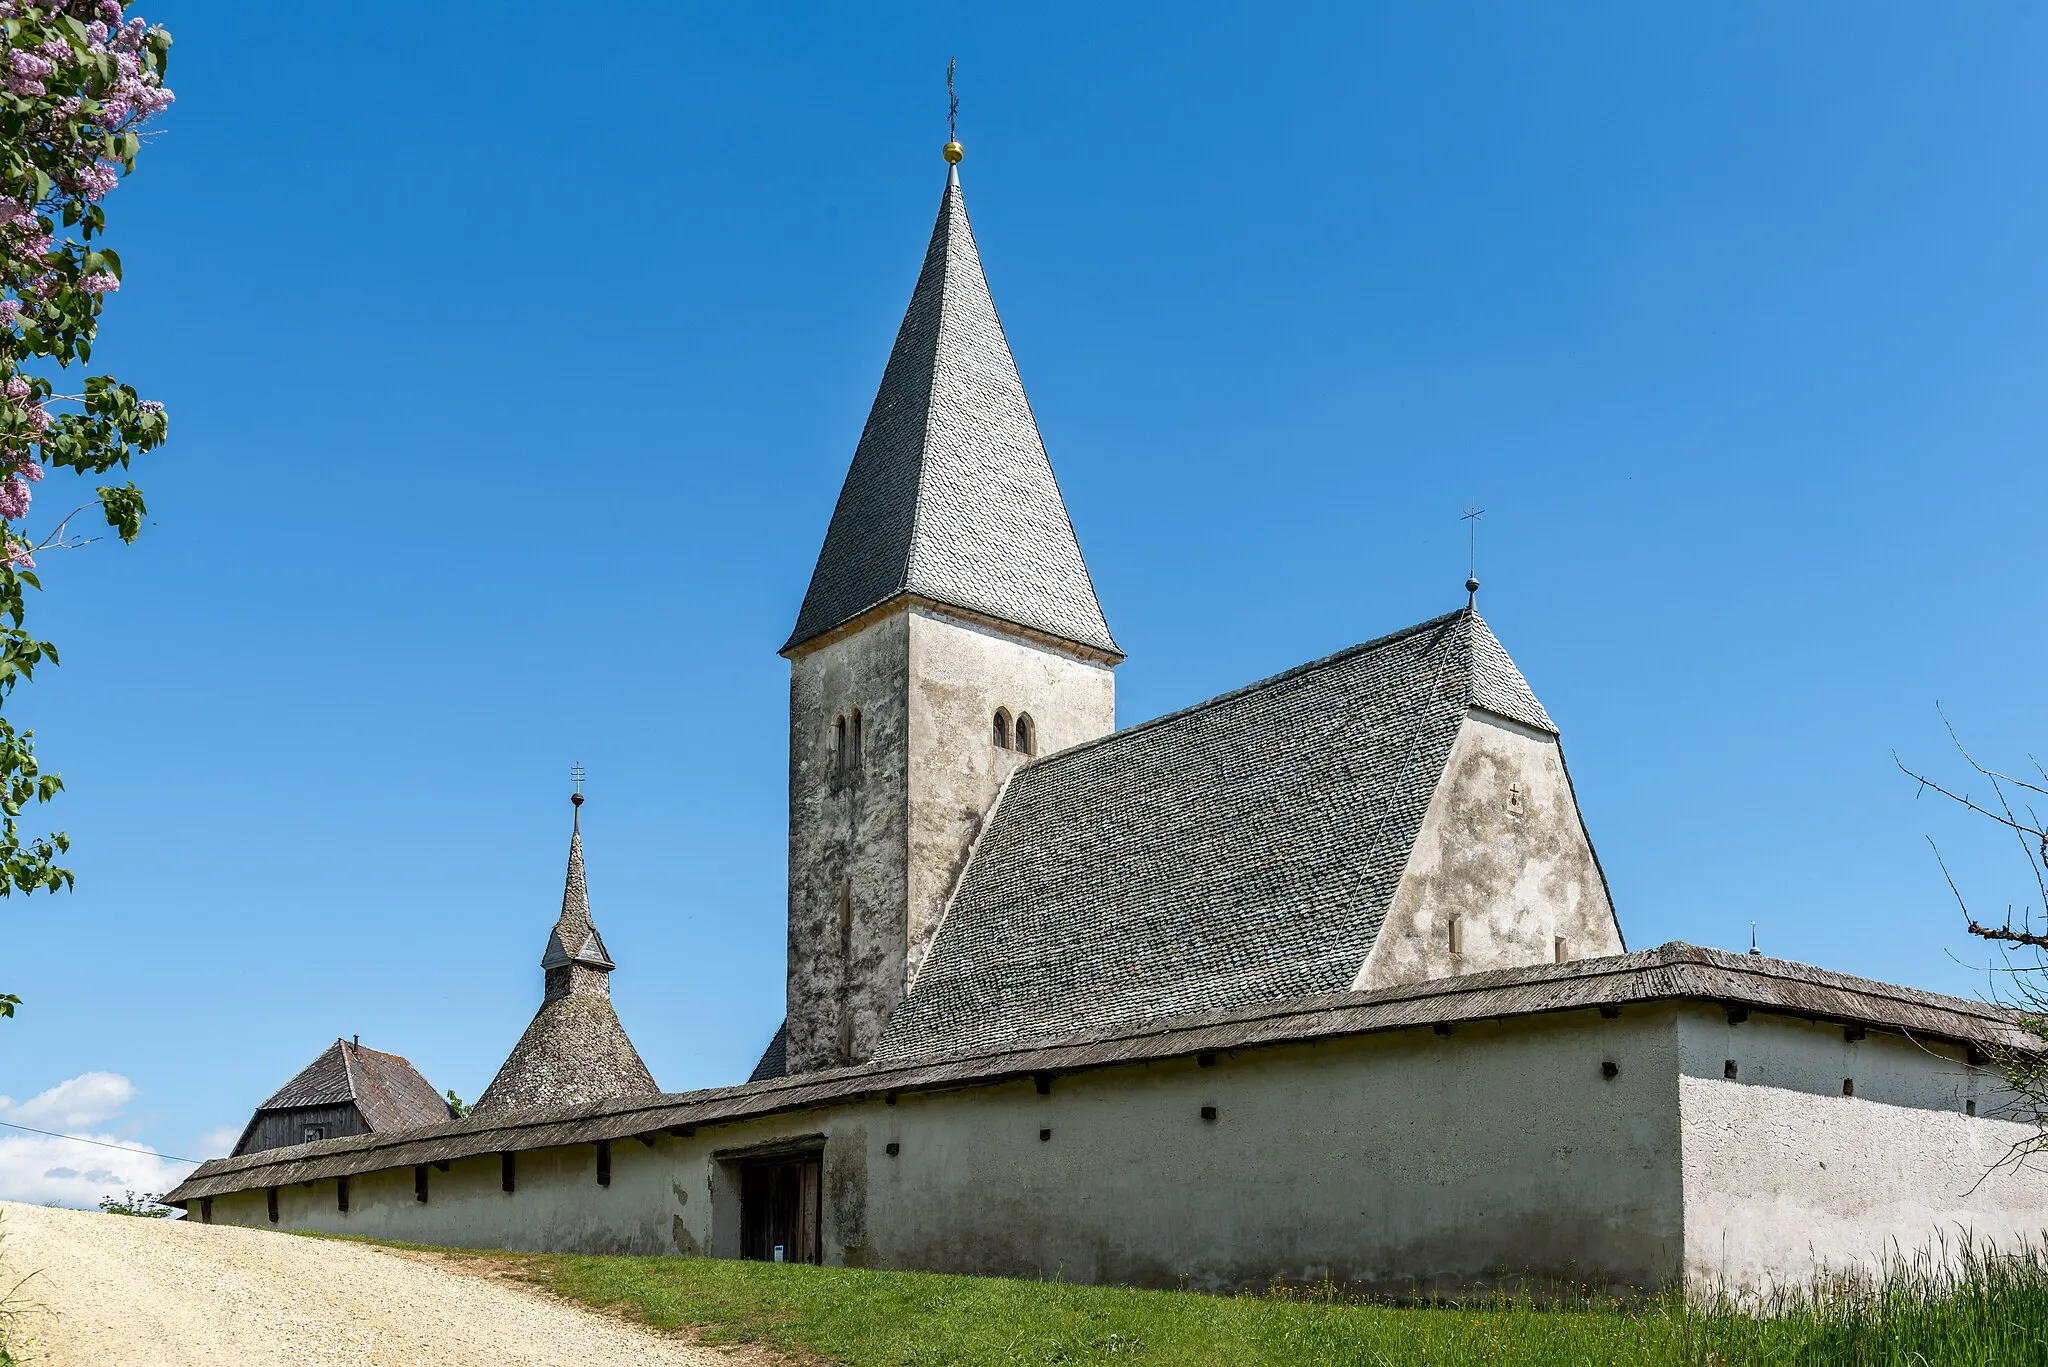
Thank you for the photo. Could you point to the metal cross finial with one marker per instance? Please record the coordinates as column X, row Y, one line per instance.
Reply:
column 576, row 778
column 952, row 103
column 1473, row 512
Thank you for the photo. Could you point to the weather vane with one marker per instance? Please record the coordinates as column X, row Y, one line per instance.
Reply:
column 953, row 151
column 1473, row 512
column 576, row 779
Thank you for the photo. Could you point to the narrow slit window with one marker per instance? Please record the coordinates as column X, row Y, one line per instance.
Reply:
column 1457, row 935
column 270, row 1203
column 856, row 738
column 1002, row 728
column 1970, row 1106
column 1848, row 1086
column 1560, row 950
column 341, row 1194
column 507, row 1170
column 839, row 745
column 1027, row 734
column 419, row 1183
column 604, row 1162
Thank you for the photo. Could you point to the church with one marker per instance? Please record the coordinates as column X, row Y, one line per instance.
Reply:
column 1316, row 979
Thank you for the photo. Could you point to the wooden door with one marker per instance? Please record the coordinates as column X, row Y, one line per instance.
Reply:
column 780, row 1208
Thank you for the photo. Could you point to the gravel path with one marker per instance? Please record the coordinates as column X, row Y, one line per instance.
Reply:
column 115, row 1291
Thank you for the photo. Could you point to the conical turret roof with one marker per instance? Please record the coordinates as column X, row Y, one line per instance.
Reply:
column 575, row 938
column 951, row 496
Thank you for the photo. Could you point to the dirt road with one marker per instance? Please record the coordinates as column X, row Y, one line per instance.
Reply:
column 122, row 1292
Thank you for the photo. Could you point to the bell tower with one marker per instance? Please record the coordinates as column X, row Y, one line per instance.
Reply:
column 950, row 634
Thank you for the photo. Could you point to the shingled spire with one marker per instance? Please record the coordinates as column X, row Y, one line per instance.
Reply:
column 575, row 1049
column 951, row 497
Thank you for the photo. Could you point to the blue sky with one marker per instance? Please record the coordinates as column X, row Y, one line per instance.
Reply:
column 514, row 362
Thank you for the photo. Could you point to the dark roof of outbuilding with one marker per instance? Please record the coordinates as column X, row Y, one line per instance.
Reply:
column 1243, row 850
column 386, row 1089
column 1672, row 972
column 950, row 496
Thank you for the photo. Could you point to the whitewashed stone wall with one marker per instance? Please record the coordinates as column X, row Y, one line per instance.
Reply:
column 1786, row 1176
column 1504, row 850
column 960, row 673
column 895, row 829
column 1497, row 1154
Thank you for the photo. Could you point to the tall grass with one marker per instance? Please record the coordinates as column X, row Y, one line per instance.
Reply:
column 1969, row 1307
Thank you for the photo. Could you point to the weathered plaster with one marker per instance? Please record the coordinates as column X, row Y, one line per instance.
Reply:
column 556, row 1205
column 847, row 829
column 1503, row 848
column 960, row 673
column 895, row 829
column 1378, row 1160
column 1784, row 1175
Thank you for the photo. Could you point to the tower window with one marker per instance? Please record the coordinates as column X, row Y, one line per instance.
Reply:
column 1002, row 729
column 1457, row 935
column 856, row 738
column 839, row 745
column 1027, row 734
column 1562, row 950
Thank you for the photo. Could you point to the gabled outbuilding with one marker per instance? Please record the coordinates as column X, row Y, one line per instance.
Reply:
column 346, row 1090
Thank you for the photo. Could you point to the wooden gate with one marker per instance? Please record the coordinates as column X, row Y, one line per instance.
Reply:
column 779, row 1208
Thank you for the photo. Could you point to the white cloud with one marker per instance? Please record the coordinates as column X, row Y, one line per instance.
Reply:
column 47, row 1169
column 85, row 1100
column 218, row 1143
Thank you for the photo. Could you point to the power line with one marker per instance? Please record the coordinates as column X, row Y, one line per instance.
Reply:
column 77, row 1139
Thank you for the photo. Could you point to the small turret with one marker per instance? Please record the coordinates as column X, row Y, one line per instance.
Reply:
column 575, row 1049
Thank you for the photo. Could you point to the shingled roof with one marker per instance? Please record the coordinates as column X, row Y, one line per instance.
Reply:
column 951, row 497
column 387, row 1090
column 1241, row 851
column 574, row 1050
column 1672, row 972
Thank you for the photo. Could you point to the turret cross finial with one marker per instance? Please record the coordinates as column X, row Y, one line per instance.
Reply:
column 1473, row 512
column 576, row 780
column 952, row 103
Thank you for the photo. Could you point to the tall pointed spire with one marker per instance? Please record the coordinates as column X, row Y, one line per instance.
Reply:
column 575, row 1049
column 574, row 939
column 951, row 497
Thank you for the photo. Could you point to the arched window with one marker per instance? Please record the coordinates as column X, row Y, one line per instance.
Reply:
column 856, row 738
column 1027, row 734
column 839, row 745
column 1002, row 728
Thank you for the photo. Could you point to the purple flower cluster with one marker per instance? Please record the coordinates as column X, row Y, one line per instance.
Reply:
column 76, row 80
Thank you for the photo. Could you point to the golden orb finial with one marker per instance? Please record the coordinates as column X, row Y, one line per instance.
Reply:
column 952, row 152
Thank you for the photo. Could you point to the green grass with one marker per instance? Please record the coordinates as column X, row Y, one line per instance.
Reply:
column 1993, row 1312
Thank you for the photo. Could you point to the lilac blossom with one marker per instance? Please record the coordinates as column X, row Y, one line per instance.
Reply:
column 99, row 282
column 14, row 498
